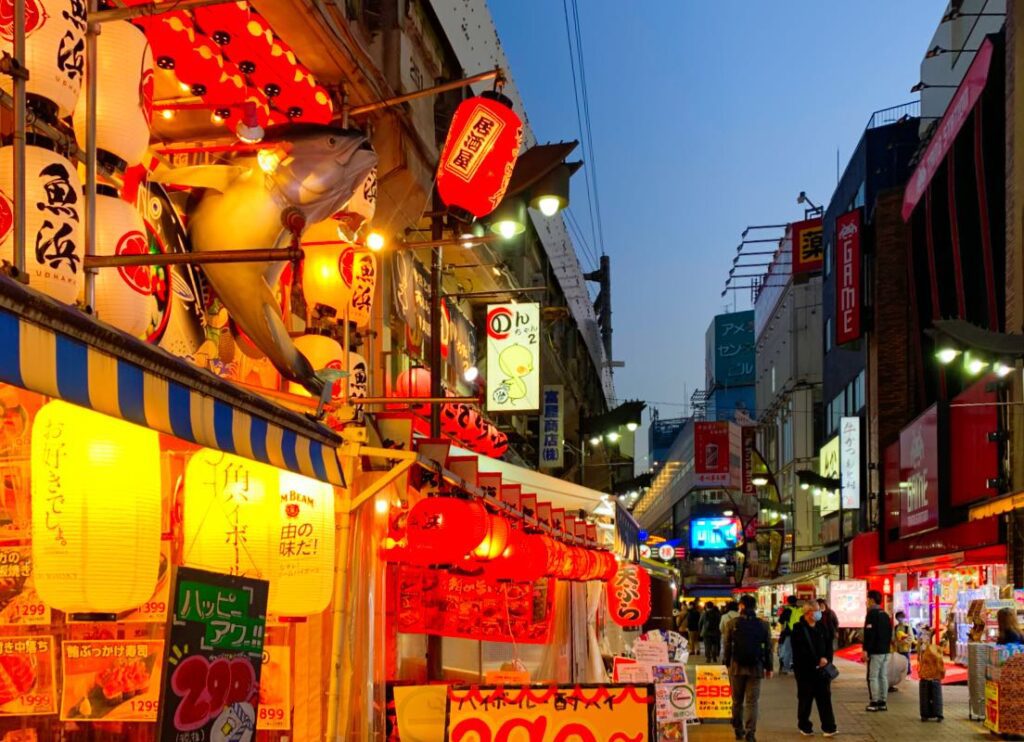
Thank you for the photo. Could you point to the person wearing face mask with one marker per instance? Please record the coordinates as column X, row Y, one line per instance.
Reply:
column 812, row 668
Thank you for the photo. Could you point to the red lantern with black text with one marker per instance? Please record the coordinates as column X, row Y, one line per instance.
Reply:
column 446, row 528
column 479, row 154
column 629, row 596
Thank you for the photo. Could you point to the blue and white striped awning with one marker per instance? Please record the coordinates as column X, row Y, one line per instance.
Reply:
column 56, row 350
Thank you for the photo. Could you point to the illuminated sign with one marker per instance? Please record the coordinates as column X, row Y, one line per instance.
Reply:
column 848, row 598
column 714, row 534
column 513, row 357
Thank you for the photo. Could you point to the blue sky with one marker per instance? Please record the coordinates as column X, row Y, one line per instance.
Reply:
column 706, row 117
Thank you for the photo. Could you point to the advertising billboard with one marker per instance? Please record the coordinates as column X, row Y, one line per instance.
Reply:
column 919, row 474
column 848, row 278
column 808, row 251
column 849, row 461
column 714, row 534
column 711, row 452
column 513, row 357
column 849, row 599
column 729, row 348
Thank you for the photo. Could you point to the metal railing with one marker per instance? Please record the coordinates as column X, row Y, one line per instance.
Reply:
column 891, row 115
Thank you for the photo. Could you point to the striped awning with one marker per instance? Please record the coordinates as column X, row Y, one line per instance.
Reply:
column 57, row 351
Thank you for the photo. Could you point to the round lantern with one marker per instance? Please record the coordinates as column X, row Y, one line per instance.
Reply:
column 524, row 560
column 494, row 543
column 446, row 528
column 124, row 93
column 123, row 294
column 414, row 382
column 95, row 510
column 338, row 276
column 609, row 565
column 479, row 154
column 629, row 596
column 54, row 49
column 230, row 514
column 326, row 352
column 54, row 234
column 302, row 566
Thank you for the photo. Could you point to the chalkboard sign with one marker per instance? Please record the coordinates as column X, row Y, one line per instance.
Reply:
column 211, row 680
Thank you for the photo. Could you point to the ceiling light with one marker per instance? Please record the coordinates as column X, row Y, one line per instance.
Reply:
column 509, row 219
column 167, row 113
column 728, row 513
column 375, row 241
column 548, row 205
column 552, row 192
column 973, row 364
column 946, row 353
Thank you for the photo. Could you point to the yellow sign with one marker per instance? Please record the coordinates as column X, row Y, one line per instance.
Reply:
column 828, row 466
column 275, row 688
column 596, row 713
column 714, row 694
column 420, row 712
column 21, row 603
column 992, row 706
column 30, row 686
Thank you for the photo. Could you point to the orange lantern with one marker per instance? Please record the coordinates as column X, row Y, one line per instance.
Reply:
column 629, row 596
column 479, row 154
column 496, row 540
column 413, row 382
column 446, row 528
column 609, row 565
column 524, row 560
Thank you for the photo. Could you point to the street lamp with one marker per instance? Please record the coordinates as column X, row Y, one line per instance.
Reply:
column 810, row 479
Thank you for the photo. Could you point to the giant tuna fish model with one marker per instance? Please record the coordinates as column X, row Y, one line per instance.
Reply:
column 239, row 206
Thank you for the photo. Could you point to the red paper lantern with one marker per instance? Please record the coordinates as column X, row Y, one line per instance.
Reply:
column 524, row 560
column 413, row 382
column 447, row 528
column 495, row 542
column 609, row 565
column 629, row 596
column 478, row 156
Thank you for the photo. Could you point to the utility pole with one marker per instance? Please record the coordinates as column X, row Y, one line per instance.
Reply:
column 435, row 661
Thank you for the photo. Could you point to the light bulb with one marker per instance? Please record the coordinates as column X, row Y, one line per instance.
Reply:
column 471, row 374
column 613, row 436
column 167, row 113
column 375, row 241
column 947, row 355
column 381, row 506
column 548, row 205
column 631, row 427
column 507, row 229
column 268, row 160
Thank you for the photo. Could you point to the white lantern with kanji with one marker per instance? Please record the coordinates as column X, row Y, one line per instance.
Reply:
column 54, row 49
column 124, row 93
column 95, row 510
column 302, row 571
column 55, row 215
column 325, row 352
column 122, row 294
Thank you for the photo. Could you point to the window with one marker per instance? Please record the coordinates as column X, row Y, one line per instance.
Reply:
column 828, row 259
column 861, row 197
column 859, row 392
column 828, row 332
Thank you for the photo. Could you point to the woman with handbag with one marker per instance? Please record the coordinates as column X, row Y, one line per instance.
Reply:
column 814, row 672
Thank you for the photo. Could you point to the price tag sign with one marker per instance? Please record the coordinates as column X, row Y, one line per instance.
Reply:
column 20, row 604
column 275, row 689
column 154, row 610
column 111, row 680
column 29, row 668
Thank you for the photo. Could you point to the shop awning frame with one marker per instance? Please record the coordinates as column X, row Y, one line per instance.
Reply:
column 56, row 350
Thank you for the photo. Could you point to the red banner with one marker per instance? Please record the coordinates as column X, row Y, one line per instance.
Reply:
column 919, row 474
column 629, row 596
column 848, row 277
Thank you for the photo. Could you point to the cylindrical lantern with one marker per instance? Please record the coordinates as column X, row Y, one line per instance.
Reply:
column 95, row 510
column 124, row 93
column 446, row 528
column 479, row 154
column 230, row 514
column 338, row 276
column 609, row 565
column 360, row 209
column 414, row 382
column 629, row 596
column 326, row 352
column 494, row 543
column 302, row 567
column 122, row 294
column 54, row 49
column 55, row 215
column 524, row 560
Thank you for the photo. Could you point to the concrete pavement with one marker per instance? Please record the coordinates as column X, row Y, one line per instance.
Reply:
column 901, row 723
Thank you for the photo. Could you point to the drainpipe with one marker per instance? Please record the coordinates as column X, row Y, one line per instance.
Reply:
column 20, row 125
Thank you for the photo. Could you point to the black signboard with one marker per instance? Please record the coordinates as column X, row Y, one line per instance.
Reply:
column 214, row 655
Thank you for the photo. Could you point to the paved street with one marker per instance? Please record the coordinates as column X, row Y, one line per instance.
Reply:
column 849, row 696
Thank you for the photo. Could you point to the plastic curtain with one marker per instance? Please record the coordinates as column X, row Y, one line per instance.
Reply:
column 595, row 672
column 554, row 665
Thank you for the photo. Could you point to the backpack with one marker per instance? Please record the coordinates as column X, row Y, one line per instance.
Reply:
column 749, row 641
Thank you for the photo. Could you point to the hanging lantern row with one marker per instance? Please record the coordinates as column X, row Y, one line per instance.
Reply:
column 462, row 534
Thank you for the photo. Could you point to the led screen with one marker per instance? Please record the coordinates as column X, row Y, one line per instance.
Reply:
column 714, row 534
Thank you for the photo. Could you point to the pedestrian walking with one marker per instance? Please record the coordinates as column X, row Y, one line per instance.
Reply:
column 732, row 610
column 788, row 616
column 747, row 652
column 904, row 638
column 830, row 625
column 810, row 667
column 931, row 670
column 711, row 633
column 877, row 645
column 693, row 627
column 1009, row 629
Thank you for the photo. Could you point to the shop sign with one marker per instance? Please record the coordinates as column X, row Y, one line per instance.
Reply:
column 748, row 440
column 714, row 693
column 275, row 711
column 111, row 680
column 808, row 250
column 973, row 415
column 552, row 427
column 830, row 526
column 645, row 551
column 462, row 339
column 217, row 627
column 828, row 466
column 28, row 665
column 629, row 596
column 919, row 474
column 411, row 303
column 513, row 357
column 848, row 277
column 596, row 713
column 711, row 453
column 848, row 598
column 675, row 696
column 849, row 461
column 729, row 345
column 22, row 605
column 666, row 552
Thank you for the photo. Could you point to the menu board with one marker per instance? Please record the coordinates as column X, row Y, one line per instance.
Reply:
column 436, row 602
column 20, row 604
column 275, row 712
column 214, row 656
column 111, row 680
column 28, row 684
column 848, row 598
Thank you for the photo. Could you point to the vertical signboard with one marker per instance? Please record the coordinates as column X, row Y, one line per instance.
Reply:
column 828, row 466
column 849, row 461
column 730, row 350
column 808, row 251
column 711, row 453
column 919, row 474
column 552, row 425
column 848, row 598
column 214, row 656
column 848, row 277
column 748, row 440
column 513, row 357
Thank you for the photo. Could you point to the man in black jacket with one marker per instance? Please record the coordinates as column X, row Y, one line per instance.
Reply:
column 811, row 650
column 747, row 652
column 877, row 644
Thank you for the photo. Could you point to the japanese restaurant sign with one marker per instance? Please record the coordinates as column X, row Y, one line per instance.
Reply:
column 513, row 357
column 711, row 452
column 808, row 251
column 28, row 668
column 111, row 680
column 590, row 713
column 849, row 461
column 214, row 657
column 552, row 427
column 629, row 595
column 748, row 442
column 919, row 474
column 848, row 277
column 714, row 694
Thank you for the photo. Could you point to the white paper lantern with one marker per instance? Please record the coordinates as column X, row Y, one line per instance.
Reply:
column 54, row 46
column 360, row 209
column 325, row 352
column 338, row 275
column 95, row 510
column 122, row 294
column 124, row 93
column 54, row 230
column 302, row 571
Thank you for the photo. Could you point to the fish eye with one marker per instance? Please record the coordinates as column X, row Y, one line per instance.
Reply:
column 331, row 141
